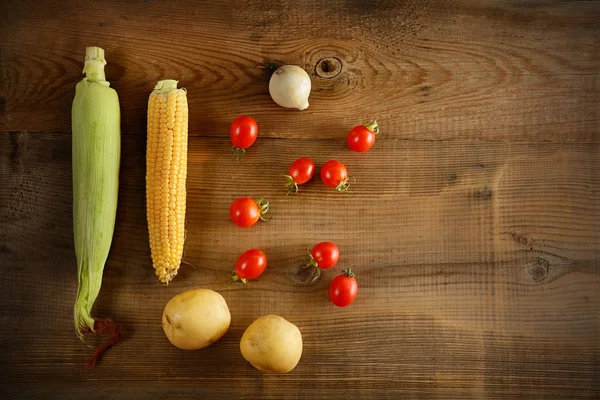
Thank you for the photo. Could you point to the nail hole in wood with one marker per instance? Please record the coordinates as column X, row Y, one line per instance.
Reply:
column 328, row 67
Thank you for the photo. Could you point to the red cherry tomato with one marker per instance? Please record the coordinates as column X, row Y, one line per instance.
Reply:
column 250, row 265
column 362, row 137
column 243, row 132
column 324, row 255
column 334, row 174
column 246, row 212
column 343, row 289
column 301, row 171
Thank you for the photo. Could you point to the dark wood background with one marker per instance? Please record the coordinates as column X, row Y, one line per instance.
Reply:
column 473, row 225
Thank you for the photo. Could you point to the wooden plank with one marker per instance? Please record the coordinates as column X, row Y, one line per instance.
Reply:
column 491, row 70
column 477, row 256
column 477, row 263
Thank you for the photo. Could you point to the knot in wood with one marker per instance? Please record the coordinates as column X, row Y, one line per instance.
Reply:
column 538, row 271
column 328, row 67
column 304, row 276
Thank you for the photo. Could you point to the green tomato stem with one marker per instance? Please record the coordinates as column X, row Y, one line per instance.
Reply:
column 236, row 278
column 263, row 206
column 291, row 185
column 343, row 186
column 372, row 126
column 238, row 152
column 311, row 263
column 348, row 272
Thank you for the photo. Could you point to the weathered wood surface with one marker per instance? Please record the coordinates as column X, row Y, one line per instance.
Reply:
column 425, row 69
column 473, row 224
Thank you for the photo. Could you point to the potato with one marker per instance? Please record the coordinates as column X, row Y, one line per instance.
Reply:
column 272, row 344
column 195, row 319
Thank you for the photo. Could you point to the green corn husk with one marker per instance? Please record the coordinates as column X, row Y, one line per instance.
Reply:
column 96, row 123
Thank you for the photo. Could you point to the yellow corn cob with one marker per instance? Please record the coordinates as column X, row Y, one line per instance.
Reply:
column 166, row 170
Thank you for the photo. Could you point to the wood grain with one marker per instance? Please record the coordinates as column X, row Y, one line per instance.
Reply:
column 478, row 275
column 424, row 69
column 473, row 224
